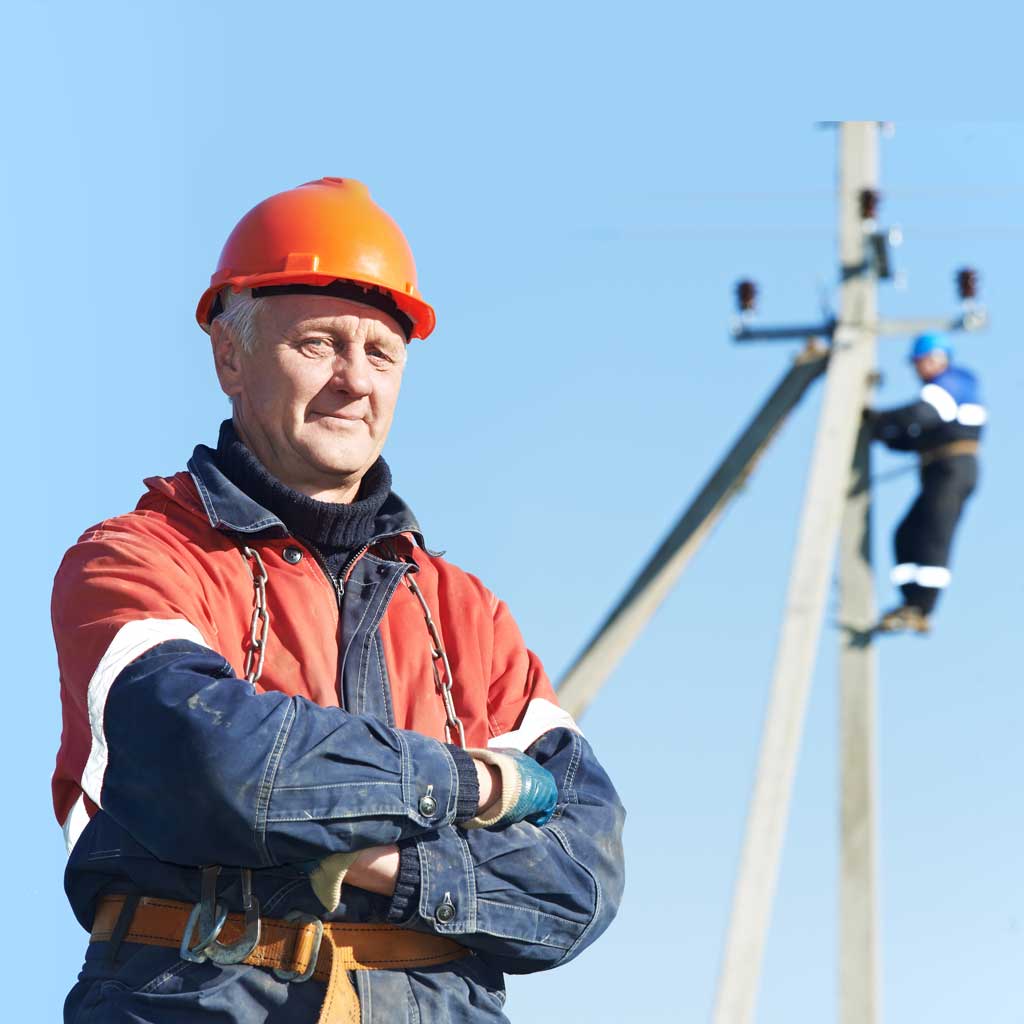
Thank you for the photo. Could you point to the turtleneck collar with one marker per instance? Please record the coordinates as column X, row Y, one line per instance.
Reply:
column 334, row 529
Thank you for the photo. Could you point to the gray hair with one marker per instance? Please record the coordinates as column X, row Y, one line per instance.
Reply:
column 240, row 315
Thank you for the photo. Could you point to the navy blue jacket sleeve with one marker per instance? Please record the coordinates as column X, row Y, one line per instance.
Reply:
column 258, row 779
column 905, row 428
column 529, row 898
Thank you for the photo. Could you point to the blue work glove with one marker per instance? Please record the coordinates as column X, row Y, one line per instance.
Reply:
column 528, row 790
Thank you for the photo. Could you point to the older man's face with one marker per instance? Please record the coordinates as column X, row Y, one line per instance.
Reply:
column 315, row 397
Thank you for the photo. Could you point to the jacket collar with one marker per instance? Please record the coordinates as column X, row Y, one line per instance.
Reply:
column 230, row 509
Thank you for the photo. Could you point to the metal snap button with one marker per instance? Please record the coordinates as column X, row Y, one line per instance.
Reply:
column 428, row 805
column 292, row 555
column 445, row 911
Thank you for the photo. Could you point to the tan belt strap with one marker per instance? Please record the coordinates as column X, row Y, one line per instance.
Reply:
column 945, row 451
column 288, row 945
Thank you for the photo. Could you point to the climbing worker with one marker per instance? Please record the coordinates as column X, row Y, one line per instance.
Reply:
column 309, row 771
column 944, row 427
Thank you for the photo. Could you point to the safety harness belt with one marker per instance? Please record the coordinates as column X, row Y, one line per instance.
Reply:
column 965, row 447
column 296, row 949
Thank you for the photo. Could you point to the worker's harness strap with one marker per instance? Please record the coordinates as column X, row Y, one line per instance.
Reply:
column 298, row 948
column 946, row 451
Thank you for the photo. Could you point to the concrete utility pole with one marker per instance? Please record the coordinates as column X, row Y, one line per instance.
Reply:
column 858, row 833
column 858, row 902
column 846, row 387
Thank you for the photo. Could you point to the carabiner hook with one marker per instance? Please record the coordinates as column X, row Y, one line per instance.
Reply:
column 236, row 952
column 194, row 952
column 211, row 916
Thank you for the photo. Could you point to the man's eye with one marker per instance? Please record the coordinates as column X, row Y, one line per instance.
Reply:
column 315, row 346
column 380, row 355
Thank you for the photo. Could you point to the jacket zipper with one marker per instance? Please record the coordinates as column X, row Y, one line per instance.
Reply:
column 350, row 565
column 339, row 593
column 338, row 582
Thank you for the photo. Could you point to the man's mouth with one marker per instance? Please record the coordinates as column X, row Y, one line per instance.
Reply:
column 343, row 417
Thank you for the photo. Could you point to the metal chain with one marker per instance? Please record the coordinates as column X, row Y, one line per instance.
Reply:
column 208, row 911
column 444, row 685
column 259, row 627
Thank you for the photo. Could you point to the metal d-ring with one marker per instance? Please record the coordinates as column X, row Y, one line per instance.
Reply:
column 318, row 935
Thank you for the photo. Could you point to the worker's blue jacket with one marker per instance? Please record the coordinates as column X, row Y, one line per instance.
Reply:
column 170, row 759
column 948, row 409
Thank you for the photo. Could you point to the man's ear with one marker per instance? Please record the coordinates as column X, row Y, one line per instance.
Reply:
column 227, row 358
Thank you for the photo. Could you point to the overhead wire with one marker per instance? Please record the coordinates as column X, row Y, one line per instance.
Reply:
column 940, row 191
column 669, row 233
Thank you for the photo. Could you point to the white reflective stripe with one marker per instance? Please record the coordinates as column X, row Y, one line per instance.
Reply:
column 971, row 415
column 74, row 823
column 940, row 400
column 904, row 573
column 541, row 716
column 133, row 639
column 934, row 576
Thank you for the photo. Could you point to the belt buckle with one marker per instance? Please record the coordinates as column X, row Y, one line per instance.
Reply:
column 299, row 916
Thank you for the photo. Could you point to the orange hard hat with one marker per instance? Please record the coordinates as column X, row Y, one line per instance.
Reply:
column 321, row 235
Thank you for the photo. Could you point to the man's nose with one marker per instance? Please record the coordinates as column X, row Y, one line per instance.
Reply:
column 352, row 374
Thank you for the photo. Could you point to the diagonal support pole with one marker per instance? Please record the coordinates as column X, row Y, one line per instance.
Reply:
column 580, row 685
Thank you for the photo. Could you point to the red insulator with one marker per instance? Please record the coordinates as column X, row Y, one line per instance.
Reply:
column 869, row 200
column 967, row 283
column 746, row 296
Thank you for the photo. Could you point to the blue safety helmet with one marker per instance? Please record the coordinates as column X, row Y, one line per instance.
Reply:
column 925, row 344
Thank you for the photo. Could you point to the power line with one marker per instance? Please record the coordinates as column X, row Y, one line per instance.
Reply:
column 906, row 192
column 774, row 232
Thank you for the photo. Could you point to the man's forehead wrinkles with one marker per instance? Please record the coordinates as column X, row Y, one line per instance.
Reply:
column 335, row 322
column 349, row 326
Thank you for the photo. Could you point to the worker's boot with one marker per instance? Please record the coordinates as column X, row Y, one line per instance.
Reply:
column 906, row 617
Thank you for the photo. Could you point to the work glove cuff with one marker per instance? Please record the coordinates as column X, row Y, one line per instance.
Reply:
column 528, row 790
column 327, row 877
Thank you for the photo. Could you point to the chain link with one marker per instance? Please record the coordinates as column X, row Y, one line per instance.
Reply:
column 259, row 626
column 444, row 685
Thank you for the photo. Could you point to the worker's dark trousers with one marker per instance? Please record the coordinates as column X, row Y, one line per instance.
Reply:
column 925, row 536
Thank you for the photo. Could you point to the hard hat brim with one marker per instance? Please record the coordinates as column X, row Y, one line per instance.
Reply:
column 419, row 312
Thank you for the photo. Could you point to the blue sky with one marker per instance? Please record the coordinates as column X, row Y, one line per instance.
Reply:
column 582, row 186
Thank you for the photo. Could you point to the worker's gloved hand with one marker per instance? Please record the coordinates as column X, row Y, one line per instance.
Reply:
column 869, row 418
column 528, row 791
